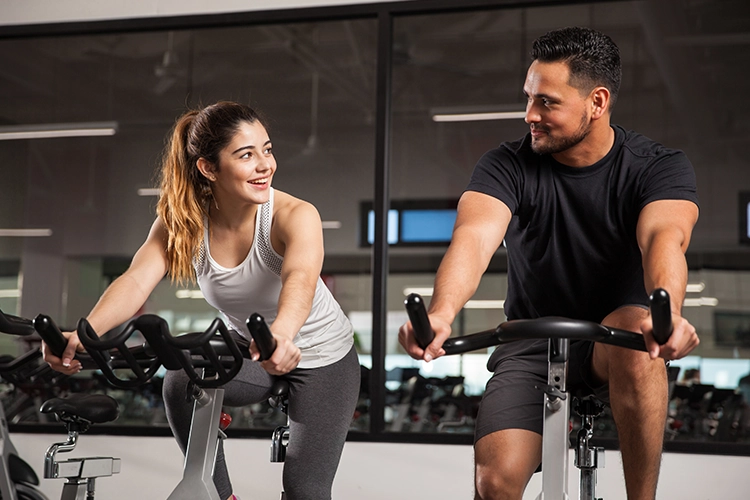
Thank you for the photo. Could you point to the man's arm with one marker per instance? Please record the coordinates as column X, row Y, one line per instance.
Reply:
column 480, row 227
column 663, row 232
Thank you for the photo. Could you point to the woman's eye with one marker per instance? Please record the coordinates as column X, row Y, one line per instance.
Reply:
column 245, row 156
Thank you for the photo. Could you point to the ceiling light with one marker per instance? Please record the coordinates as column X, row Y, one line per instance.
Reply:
column 424, row 291
column 478, row 113
column 189, row 294
column 10, row 294
column 149, row 192
column 331, row 224
column 54, row 130
column 485, row 304
column 701, row 301
column 473, row 117
column 25, row 233
column 695, row 287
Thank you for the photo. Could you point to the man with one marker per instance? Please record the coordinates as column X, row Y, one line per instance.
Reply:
column 594, row 218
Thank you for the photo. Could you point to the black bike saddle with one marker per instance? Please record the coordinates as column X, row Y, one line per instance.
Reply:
column 93, row 408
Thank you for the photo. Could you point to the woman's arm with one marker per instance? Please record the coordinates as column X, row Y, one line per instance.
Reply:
column 297, row 235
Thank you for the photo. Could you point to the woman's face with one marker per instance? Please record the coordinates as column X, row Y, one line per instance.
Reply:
column 246, row 166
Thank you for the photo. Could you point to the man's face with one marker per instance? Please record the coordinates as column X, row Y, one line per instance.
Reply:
column 557, row 113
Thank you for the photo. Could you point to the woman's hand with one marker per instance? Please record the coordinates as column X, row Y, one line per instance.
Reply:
column 284, row 359
column 65, row 364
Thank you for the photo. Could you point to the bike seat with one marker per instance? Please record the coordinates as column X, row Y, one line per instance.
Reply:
column 93, row 408
column 588, row 406
column 279, row 388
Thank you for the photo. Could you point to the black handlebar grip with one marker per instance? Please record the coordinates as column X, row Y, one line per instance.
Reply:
column 261, row 335
column 51, row 334
column 15, row 325
column 419, row 321
column 661, row 315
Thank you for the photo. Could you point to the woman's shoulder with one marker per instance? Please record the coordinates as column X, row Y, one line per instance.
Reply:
column 286, row 206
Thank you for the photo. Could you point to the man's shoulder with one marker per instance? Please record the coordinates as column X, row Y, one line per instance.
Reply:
column 643, row 147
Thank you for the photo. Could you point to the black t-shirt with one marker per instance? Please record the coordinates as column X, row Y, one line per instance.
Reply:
column 572, row 248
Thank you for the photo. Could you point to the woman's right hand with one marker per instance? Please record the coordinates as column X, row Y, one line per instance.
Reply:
column 284, row 359
column 66, row 364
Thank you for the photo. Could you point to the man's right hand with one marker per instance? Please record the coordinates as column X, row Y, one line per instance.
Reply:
column 67, row 364
column 406, row 338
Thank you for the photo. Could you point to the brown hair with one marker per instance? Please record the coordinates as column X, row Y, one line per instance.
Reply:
column 185, row 192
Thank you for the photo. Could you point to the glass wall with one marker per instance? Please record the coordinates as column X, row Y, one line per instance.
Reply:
column 94, row 196
column 475, row 62
column 316, row 83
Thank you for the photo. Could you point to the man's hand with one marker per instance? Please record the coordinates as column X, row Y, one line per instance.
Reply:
column 683, row 339
column 408, row 341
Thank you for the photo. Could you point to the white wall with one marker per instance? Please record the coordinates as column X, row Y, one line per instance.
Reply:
column 151, row 467
column 14, row 12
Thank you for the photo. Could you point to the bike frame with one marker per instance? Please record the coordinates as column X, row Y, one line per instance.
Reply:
column 559, row 331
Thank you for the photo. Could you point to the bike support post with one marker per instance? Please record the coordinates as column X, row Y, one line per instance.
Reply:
column 555, row 443
column 197, row 480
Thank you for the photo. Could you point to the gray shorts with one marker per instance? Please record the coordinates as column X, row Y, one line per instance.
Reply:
column 510, row 400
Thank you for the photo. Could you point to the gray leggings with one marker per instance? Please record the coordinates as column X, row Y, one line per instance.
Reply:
column 321, row 407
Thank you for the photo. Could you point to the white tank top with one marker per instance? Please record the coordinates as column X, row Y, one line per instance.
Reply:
column 255, row 285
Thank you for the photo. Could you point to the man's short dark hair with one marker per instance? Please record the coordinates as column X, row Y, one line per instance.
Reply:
column 593, row 58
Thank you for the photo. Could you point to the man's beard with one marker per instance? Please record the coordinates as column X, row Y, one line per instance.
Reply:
column 553, row 146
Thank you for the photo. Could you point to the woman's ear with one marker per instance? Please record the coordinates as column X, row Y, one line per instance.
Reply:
column 206, row 169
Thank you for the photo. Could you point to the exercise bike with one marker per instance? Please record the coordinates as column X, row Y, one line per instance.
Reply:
column 18, row 481
column 210, row 359
column 77, row 411
column 559, row 331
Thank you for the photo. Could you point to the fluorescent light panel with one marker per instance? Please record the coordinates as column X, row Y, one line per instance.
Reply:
column 701, row 301
column 485, row 304
column 472, row 117
column 189, row 294
column 25, row 233
column 478, row 113
column 148, row 192
column 55, row 130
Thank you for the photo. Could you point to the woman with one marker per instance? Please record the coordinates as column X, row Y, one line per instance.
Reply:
column 250, row 249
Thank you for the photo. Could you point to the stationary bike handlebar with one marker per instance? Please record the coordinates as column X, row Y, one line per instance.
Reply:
column 210, row 358
column 27, row 367
column 261, row 335
column 544, row 328
column 15, row 325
